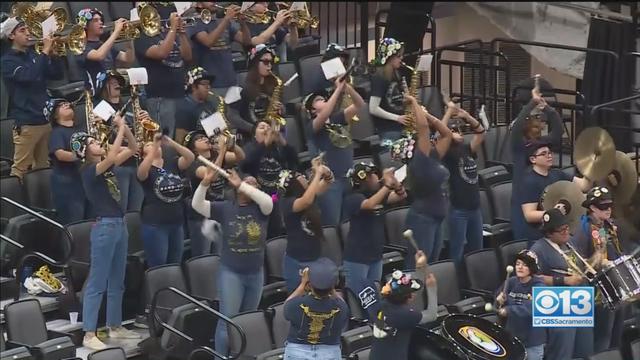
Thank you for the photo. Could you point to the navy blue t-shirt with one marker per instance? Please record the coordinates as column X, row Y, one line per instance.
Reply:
column 339, row 159
column 190, row 113
column 302, row 243
column 215, row 191
column 94, row 67
column 217, row 59
column 402, row 319
column 365, row 242
column 316, row 321
column 391, row 100
column 429, row 184
column 245, row 230
column 101, row 191
column 463, row 168
column 166, row 76
column 550, row 259
column 518, row 307
column 163, row 191
column 60, row 140
column 276, row 38
column 533, row 185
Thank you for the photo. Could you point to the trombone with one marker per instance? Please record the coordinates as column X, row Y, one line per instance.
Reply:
column 249, row 15
column 75, row 41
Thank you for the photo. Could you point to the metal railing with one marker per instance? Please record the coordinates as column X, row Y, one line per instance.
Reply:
column 191, row 299
column 345, row 23
column 379, row 24
column 63, row 263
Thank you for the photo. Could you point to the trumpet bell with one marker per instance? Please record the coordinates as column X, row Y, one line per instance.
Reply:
column 149, row 20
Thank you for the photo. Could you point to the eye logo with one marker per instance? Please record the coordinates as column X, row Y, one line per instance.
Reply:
column 482, row 341
column 547, row 302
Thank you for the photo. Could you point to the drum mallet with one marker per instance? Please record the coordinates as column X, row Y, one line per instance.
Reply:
column 488, row 306
column 408, row 234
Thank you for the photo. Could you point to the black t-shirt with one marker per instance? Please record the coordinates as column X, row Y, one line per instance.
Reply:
column 217, row 59
column 429, row 183
column 166, row 76
column 102, row 191
column 215, row 191
column 339, row 159
column 92, row 68
column 391, row 100
column 400, row 320
column 252, row 110
column 464, row 177
column 316, row 321
column 60, row 140
column 264, row 163
column 163, row 191
column 365, row 242
column 190, row 113
column 302, row 243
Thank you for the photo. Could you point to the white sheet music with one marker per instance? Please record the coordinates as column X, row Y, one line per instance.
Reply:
column 298, row 5
column 424, row 64
column 49, row 26
column 213, row 122
column 232, row 95
column 246, row 5
column 401, row 173
column 134, row 15
column 103, row 110
column 182, row 6
column 333, row 68
column 138, row 76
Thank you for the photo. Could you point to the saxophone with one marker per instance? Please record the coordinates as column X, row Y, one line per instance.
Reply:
column 412, row 90
column 144, row 130
column 272, row 115
column 347, row 101
column 231, row 138
column 98, row 130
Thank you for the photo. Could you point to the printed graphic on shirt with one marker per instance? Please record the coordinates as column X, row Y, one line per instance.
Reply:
column 268, row 172
column 168, row 187
column 317, row 321
column 174, row 60
column 394, row 97
column 245, row 227
column 306, row 226
column 468, row 169
column 112, row 184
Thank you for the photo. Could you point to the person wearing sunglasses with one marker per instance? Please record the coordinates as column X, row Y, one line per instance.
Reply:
column 554, row 271
column 535, row 179
column 597, row 240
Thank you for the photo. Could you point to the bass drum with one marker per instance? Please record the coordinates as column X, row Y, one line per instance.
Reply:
column 481, row 339
column 426, row 344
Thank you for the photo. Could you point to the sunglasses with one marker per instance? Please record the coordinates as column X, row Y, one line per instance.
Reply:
column 605, row 206
column 266, row 62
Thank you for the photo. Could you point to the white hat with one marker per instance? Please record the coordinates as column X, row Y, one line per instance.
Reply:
column 7, row 27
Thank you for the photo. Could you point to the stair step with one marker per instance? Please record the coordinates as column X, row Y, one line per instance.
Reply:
column 131, row 347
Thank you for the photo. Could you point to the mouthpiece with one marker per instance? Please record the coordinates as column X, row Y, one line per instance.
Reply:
column 509, row 269
column 488, row 307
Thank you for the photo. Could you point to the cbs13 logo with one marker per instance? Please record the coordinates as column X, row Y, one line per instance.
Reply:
column 561, row 306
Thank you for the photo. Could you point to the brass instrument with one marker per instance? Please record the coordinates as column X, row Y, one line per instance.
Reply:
column 412, row 90
column 33, row 18
column 272, row 115
column 320, row 160
column 75, row 41
column 231, row 138
column 302, row 18
column 149, row 22
column 144, row 130
column 204, row 15
column 248, row 15
column 96, row 128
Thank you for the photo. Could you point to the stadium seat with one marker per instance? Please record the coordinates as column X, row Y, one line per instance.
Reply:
column 255, row 325
column 482, row 270
column 108, row 354
column 37, row 186
column 509, row 250
column 274, row 257
column 279, row 325
column 202, row 274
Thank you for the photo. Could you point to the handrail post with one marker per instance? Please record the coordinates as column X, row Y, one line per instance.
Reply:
column 364, row 29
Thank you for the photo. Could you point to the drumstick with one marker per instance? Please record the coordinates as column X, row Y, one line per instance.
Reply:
column 293, row 77
column 560, row 271
column 504, row 287
column 217, row 168
column 408, row 234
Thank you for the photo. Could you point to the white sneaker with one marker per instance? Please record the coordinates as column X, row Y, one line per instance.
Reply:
column 122, row 333
column 93, row 343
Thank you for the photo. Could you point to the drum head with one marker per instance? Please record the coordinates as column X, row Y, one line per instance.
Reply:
column 482, row 339
column 428, row 345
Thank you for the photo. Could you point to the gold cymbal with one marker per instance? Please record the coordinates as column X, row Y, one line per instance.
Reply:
column 626, row 179
column 594, row 153
column 570, row 195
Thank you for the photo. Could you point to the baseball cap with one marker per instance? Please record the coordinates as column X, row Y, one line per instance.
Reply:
column 553, row 219
column 323, row 274
column 9, row 25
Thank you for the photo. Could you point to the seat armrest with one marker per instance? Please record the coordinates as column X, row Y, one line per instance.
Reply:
column 14, row 344
column 53, row 334
column 398, row 248
column 499, row 220
column 488, row 296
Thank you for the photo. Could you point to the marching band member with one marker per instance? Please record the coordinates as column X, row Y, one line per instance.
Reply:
column 396, row 318
column 465, row 216
column 99, row 56
column 527, row 128
column 212, row 44
column 325, row 123
column 109, row 237
column 266, row 156
column 68, row 198
column 333, row 50
column 516, row 304
column 165, row 56
column 25, row 74
column 364, row 207
column 554, row 256
column 596, row 239
column 163, row 209
column 317, row 314
column 197, row 105
column 301, row 216
column 244, row 227
column 427, row 179
column 280, row 33
column 535, row 180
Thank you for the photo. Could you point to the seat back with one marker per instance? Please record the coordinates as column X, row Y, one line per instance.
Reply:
column 485, row 207
column 607, row 355
column 635, row 349
column 501, row 199
column 279, row 325
column 134, row 228
column 332, row 244
column 274, row 256
column 394, row 225
column 308, row 67
column 509, row 250
column 482, row 269
column 11, row 188
column 295, row 134
column 6, row 134
column 364, row 127
column 255, row 325
column 202, row 274
column 81, row 258
column 362, row 354
column 108, row 354
column 493, row 175
column 356, row 339
column 160, row 277
column 25, row 322
column 294, row 90
column 447, row 277
column 37, row 185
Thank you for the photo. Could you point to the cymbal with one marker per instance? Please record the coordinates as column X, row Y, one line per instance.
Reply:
column 594, row 153
column 569, row 194
column 626, row 178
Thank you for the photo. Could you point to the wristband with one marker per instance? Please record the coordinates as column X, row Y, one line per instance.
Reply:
column 558, row 280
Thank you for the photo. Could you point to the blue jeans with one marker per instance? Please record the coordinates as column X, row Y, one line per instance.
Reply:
column 109, row 239
column 464, row 226
column 356, row 273
column 428, row 235
column 131, row 192
column 535, row 352
column 200, row 245
column 560, row 343
column 293, row 351
column 68, row 197
column 291, row 272
column 603, row 328
column 162, row 243
column 242, row 292
column 330, row 202
column 163, row 111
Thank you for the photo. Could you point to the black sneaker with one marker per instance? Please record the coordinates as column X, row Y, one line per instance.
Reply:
column 141, row 322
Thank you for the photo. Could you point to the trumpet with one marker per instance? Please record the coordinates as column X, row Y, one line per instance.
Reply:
column 249, row 15
column 75, row 41
column 302, row 18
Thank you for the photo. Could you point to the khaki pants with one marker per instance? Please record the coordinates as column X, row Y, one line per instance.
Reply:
column 31, row 148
